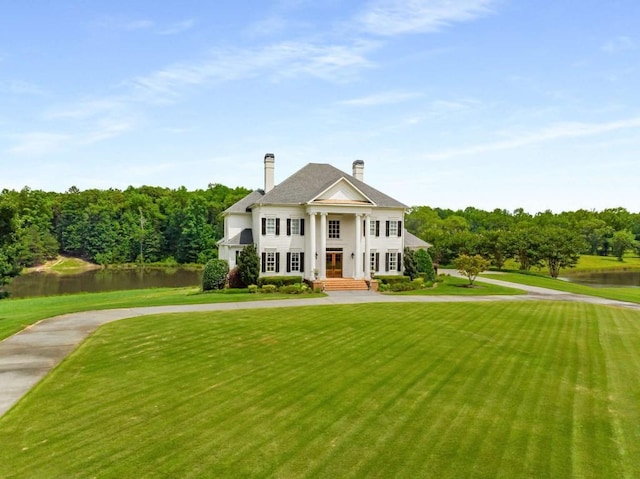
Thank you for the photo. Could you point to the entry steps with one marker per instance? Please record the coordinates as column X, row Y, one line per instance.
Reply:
column 345, row 284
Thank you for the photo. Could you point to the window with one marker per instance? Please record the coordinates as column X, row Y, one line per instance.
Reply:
column 372, row 228
column 393, row 262
column 270, row 266
column 375, row 262
column 295, row 226
column 394, row 228
column 271, row 226
column 334, row 229
column 295, row 261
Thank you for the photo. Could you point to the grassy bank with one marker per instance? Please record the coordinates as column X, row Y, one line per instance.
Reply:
column 620, row 294
column 495, row 390
column 16, row 314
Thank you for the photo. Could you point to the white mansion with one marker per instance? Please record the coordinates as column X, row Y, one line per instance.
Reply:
column 319, row 222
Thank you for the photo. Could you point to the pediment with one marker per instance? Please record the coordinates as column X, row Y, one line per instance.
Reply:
column 342, row 192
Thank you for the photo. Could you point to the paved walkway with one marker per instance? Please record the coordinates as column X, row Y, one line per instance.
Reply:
column 26, row 357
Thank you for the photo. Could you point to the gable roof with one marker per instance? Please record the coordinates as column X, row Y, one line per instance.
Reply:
column 243, row 205
column 312, row 180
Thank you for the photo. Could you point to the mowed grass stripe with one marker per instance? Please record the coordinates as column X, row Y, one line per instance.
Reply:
column 429, row 390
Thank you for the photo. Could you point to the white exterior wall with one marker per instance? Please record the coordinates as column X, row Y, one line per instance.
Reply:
column 235, row 223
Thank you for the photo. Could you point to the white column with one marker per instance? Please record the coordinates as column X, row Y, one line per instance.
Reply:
column 358, row 253
column 322, row 258
column 313, row 264
column 367, row 247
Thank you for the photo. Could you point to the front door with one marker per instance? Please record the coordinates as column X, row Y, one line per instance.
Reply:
column 334, row 265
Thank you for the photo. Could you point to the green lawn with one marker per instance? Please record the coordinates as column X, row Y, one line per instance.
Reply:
column 588, row 263
column 17, row 314
column 621, row 294
column 453, row 286
column 496, row 390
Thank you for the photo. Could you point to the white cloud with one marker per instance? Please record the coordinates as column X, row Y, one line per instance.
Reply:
column 395, row 17
column 138, row 25
column 619, row 44
column 287, row 59
column 383, row 98
column 554, row 132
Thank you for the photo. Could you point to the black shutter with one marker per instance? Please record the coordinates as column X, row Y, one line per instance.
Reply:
column 302, row 261
column 399, row 261
column 399, row 228
column 264, row 261
column 264, row 226
column 364, row 227
column 288, row 262
column 377, row 261
column 277, row 226
column 377, row 228
column 302, row 227
column 386, row 262
column 288, row 226
column 277, row 262
column 364, row 258
column 387, row 226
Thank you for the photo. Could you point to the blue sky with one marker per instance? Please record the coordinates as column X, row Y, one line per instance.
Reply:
column 450, row 103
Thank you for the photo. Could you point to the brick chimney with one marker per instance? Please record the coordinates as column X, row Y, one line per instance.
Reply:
column 269, row 167
column 358, row 170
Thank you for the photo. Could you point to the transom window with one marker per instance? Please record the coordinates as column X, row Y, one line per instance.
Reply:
column 271, row 227
column 295, row 226
column 334, row 229
column 393, row 228
column 270, row 257
column 295, row 259
column 393, row 261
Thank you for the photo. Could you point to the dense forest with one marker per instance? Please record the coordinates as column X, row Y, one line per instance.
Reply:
column 153, row 224
column 532, row 240
column 145, row 224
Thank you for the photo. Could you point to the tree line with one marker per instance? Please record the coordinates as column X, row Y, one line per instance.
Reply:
column 154, row 224
column 144, row 224
column 547, row 238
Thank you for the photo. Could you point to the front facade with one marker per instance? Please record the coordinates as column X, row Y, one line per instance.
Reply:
column 318, row 223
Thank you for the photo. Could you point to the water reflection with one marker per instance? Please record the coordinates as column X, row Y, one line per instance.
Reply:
column 606, row 278
column 48, row 284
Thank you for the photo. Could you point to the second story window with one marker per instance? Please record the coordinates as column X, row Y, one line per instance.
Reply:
column 271, row 226
column 334, row 229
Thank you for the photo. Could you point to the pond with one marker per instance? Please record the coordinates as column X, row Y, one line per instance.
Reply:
column 606, row 278
column 98, row 280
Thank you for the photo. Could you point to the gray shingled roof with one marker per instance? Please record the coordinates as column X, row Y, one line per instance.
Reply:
column 243, row 238
column 308, row 182
column 242, row 205
column 411, row 241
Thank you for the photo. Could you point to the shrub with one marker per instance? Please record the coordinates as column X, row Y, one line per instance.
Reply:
column 292, row 289
column 410, row 264
column 248, row 265
column 253, row 288
column 269, row 288
column 214, row 275
column 279, row 281
column 392, row 279
column 234, row 279
column 425, row 264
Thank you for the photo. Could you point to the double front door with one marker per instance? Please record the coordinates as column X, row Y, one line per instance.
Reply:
column 334, row 264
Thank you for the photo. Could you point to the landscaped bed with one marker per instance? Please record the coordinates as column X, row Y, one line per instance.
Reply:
column 517, row 389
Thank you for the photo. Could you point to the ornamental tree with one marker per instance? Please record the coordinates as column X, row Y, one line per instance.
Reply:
column 470, row 266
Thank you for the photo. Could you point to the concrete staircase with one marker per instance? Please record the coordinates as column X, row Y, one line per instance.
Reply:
column 345, row 284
